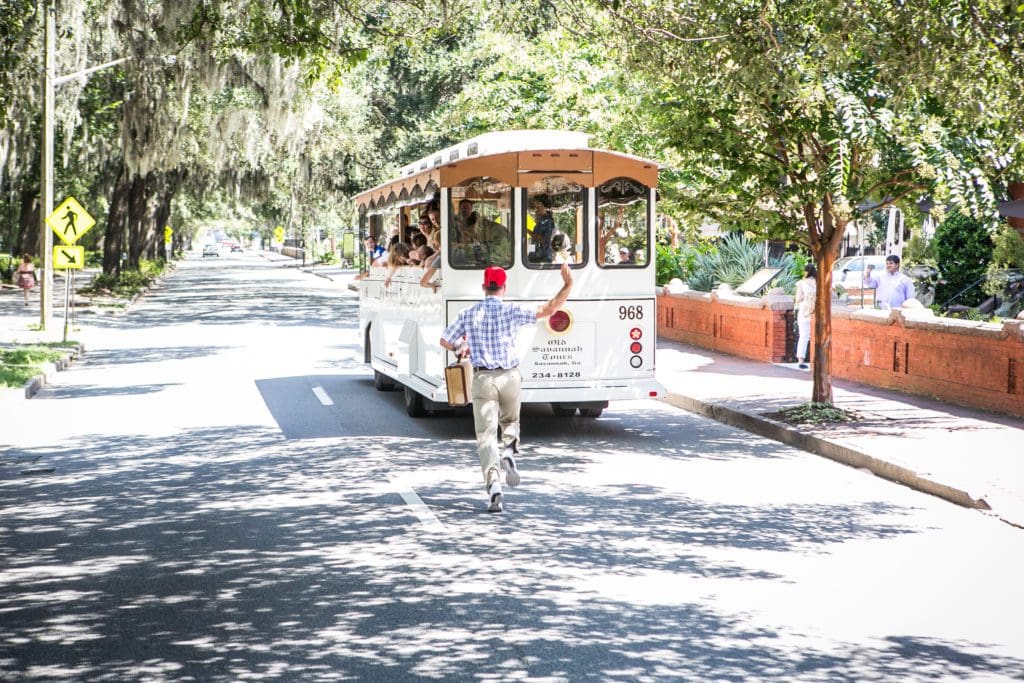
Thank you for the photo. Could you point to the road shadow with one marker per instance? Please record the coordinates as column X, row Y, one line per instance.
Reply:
column 225, row 554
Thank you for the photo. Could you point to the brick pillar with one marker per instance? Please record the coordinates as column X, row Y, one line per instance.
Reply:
column 1016, row 192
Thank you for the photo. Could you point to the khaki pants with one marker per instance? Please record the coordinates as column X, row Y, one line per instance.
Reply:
column 495, row 403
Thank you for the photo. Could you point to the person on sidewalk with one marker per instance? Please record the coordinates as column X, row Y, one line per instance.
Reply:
column 806, row 290
column 892, row 286
column 26, row 275
column 489, row 329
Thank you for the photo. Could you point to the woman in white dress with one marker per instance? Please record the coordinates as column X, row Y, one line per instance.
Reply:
column 805, row 296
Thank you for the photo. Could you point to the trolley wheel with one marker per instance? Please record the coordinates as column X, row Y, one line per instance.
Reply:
column 414, row 405
column 591, row 412
column 562, row 411
column 382, row 382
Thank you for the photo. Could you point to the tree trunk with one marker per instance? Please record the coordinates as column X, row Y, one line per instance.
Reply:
column 154, row 182
column 136, row 220
column 161, row 214
column 117, row 216
column 28, row 223
column 825, row 249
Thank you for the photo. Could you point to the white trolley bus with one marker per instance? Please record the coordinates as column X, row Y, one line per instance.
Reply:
column 527, row 201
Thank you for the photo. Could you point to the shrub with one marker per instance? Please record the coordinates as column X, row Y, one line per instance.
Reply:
column 680, row 262
column 129, row 282
column 7, row 266
column 1008, row 250
column 963, row 249
column 666, row 264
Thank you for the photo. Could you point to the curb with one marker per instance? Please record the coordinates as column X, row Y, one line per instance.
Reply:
column 33, row 386
column 778, row 431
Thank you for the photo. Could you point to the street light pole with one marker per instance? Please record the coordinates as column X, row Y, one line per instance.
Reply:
column 46, row 169
column 50, row 81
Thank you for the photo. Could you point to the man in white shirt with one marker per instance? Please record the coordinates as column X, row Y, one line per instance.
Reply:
column 892, row 287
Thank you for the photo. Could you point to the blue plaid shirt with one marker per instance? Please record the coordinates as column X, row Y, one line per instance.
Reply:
column 490, row 329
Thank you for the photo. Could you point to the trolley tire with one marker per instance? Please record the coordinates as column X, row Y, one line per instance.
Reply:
column 562, row 411
column 591, row 412
column 382, row 382
column 414, row 405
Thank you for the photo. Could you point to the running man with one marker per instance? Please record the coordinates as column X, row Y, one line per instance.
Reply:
column 490, row 328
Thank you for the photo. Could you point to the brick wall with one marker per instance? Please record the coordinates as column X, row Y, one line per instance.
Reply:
column 720, row 320
column 969, row 363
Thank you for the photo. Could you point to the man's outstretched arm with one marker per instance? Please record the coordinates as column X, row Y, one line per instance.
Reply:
column 559, row 299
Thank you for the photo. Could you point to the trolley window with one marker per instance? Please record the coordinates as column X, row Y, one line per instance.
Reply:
column 554, row 215
column 623, row 224
column 479, row 224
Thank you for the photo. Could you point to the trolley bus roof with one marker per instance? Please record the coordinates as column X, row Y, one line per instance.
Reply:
column 514, row 157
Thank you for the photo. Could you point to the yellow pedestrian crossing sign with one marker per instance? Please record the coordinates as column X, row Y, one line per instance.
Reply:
column 168, row 234
column 279, row 234
column 70, row 221
column 67, row 257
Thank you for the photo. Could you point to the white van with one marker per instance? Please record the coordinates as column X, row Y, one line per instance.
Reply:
column 848, row 272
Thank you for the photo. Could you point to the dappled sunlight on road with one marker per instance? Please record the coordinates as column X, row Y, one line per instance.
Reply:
column 224, row 554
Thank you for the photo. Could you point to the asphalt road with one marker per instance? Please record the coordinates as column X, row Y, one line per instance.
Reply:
column 230, row 499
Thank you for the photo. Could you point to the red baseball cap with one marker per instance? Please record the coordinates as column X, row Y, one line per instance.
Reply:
column 495, row 277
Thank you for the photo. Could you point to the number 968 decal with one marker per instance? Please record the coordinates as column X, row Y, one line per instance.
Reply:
column 631, row 312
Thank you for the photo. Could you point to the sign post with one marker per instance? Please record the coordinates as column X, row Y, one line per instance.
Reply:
column 70, row 221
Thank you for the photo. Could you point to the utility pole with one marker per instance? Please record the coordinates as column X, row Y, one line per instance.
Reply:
column 46, row 170
column 50, row 81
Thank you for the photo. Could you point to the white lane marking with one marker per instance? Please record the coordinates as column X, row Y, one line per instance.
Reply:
column 420, row 509
column 322, row 395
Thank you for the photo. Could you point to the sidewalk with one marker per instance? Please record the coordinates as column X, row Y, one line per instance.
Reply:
column 19, row 323
column 967, row 456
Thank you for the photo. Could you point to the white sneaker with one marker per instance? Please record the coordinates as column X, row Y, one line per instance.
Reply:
column 508, row 465
column 494, row 491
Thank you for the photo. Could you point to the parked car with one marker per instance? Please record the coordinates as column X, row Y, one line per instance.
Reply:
column 236, row 247
column 848, row 272
column 211, row 250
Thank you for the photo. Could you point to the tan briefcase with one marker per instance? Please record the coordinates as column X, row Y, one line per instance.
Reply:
column 459, row 379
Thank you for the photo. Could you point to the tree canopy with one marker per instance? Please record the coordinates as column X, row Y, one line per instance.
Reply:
column 785, row 119
column 794, row 118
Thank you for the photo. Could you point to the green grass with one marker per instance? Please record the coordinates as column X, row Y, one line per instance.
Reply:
column 30, row 355
column 16, row 377
column 20, row 364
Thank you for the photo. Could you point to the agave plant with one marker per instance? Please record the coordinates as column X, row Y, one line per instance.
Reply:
column 736, row 259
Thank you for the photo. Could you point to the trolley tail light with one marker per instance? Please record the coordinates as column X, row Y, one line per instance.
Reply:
column 560, row 322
